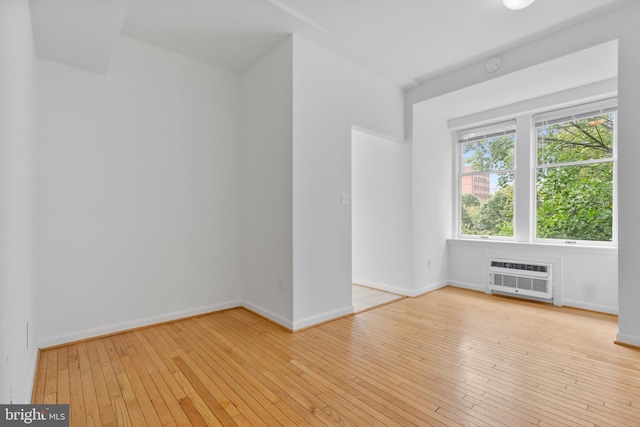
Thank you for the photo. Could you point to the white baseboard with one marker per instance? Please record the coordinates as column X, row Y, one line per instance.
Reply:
column 401, row 291
column 565, row 302
column 426, row 289
column 382, row 287
column 268, row 314
column 588, row 306
column 132, row 324
column 628, row 339
column 467, row 285
column 321, row 318
column 32, row 377
column 124, row 326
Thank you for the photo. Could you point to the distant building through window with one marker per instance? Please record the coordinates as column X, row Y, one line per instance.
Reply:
column 571, row 192
column 477, row 185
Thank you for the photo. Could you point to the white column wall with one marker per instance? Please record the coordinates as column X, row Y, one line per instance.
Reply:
column 17, row 121
column 267, row 185
column 432, row 197
column 330, row 96
column 628, row 177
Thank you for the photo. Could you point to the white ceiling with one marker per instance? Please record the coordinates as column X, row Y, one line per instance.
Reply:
column 404, row 41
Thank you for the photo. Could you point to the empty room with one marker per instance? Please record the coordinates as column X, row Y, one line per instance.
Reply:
column 195, row 194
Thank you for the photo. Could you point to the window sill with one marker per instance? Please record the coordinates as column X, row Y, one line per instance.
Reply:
column 574, row 248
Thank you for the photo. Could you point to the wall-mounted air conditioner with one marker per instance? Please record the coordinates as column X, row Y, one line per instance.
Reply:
column 520, row 278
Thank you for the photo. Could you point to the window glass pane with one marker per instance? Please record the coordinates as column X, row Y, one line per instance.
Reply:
column 575, row 202
column 487, row 204
column 576, row 140
column 489, row 154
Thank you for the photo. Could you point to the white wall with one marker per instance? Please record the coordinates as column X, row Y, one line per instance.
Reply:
column 330, row 96
column 381, row 212
column 587, row 277
column 17, row 117
column 432, row 190
column 581, row 36
column 267, row 185
column 618, row 24
column 138, row 204
column 584, row 277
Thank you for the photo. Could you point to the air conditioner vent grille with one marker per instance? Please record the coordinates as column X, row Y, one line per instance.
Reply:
column 520, row 278
column 519, row 266
column 540, row 285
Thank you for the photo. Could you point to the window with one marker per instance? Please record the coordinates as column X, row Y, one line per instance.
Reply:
column 565, row 189
column 575, row 173
column 486, row 179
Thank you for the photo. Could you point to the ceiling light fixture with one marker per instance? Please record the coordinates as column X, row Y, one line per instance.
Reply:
column 517, row 4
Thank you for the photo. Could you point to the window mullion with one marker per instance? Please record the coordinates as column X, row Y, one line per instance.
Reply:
column 487, row 172
column 522, row 194
column 576, row 163
column 565, row 201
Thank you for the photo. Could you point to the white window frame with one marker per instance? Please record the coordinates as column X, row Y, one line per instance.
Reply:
column 525, row 168
column 459, row 140
column 576, row 111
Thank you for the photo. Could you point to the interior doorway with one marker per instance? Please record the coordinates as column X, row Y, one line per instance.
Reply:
column 380, row 219
column 366, row 298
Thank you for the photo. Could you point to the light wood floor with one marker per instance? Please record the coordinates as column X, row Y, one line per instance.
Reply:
column 450, row 357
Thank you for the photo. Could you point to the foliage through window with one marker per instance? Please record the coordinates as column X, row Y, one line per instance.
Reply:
column 486, row 180
column 572, row 183
column 575, row 174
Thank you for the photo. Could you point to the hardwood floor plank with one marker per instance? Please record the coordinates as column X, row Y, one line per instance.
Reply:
column 506, row 415
column 285, row 384
column 76, row 397
column 272, row 362
column 111, row 382
column 63, row 393
column 298, row 409
column 144, row 372
column 161, row 376
column 103, row 399
column 139, row 392
column 576, row 411
column 220, row 383
column 253, row 364
column 128, row 404
column 51, row 377
column 192, row 413
column 121, row 412
column 451, row 357
column 241, row 390
column 63, row 390
column 615, row 417
column 161, row 354
column 51, row 398
column 350, row 402
column 203, row 410
column 204, row 393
